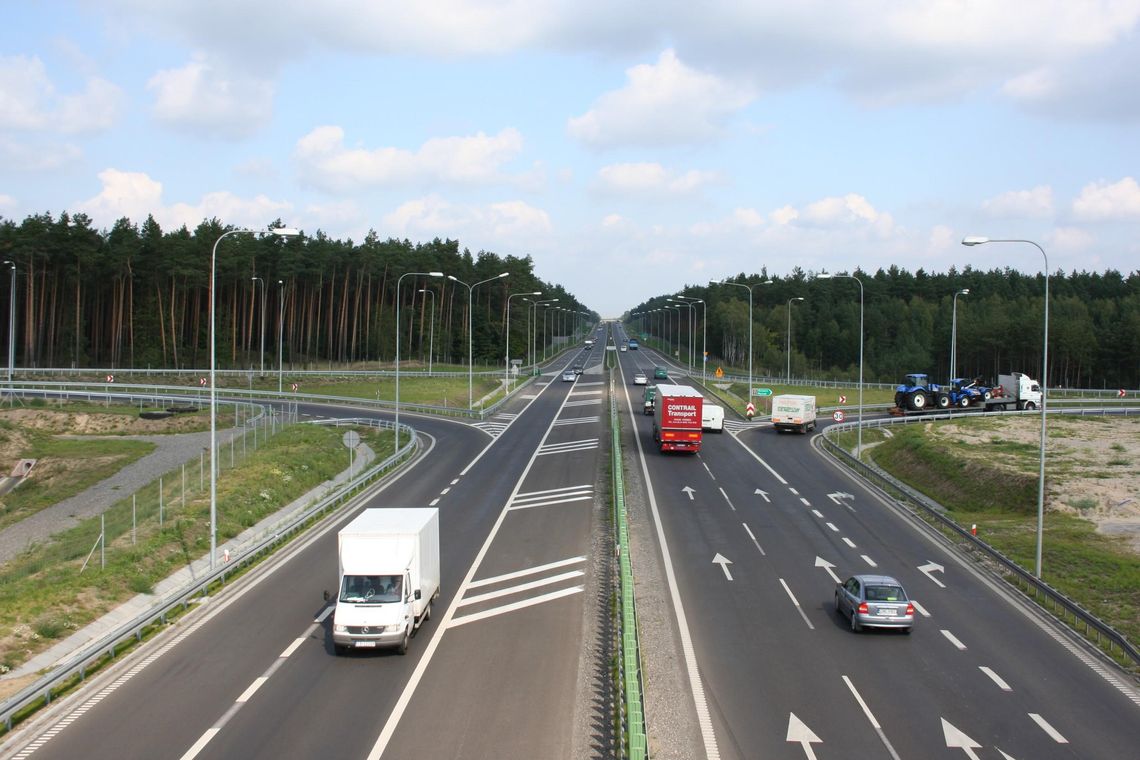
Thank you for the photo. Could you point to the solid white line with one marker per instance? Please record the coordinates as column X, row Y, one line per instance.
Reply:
column 289, row 650
column 577, row 421
column 871, row 717
column 477, row 598
column 586, row 393
column 551, row 452
column 529, row 494
column 849, row 542
column 754, row 539
column 953, row 639
column 796, row 602
column 1053, row 733
column 531, row 505
column 200, row 744
column 245, row 695
column 995, row 678
column 755, row 456
column 524, row 573
column 868, row 560
column 456, row 621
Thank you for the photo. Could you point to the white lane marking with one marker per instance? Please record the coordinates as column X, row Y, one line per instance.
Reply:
column 477, row 598
column 849, row 542
column 868, row 560
column 817, row 513
column 551, row 502
column 794, row 491
column 1001, row 684
column 433, row 502
column 871, row 717
column 528, row 571
column 577, row 421
column 754, row 455
column 1054, row 734
column 832, row 526
column 953, row 639
column 455, row 481
column 289, row 650
column 245, row 695
column 586, row 393
column 543, row 494
column 722, row 493
column 805, row 502
column 754, row 539
column 203, row 740
column 921, row 610
column 457, row 621
column 568, row 446
column 444, row 491
column 710, row 472
column 796, row 602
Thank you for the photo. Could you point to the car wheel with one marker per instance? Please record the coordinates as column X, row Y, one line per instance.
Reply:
column 838, row 609
column 856, row 626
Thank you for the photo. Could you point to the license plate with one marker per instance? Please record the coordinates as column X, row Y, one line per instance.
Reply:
column 360, row 644
column 886, row 613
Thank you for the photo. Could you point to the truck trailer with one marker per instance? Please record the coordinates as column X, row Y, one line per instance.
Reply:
column 791, row 412
column 388, row 570
column 1015, row 390
column 677, row 418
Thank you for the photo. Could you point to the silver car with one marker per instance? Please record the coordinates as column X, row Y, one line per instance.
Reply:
column 569, row 376
column 874, row 601
column 640, row 379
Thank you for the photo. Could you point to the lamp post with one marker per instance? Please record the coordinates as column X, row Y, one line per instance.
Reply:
column 398, row 331
column 544, row 305
column 255, row 281
column 470, row 335
column 704, row 334
column 827, row 276
column 954, row 334
column 11, row 321
column 976, row 240
column 431, row 326
column 507, row 341
column 280, row 330
column 692, row 309
column 788, row 379
column 749, row 289
column 282, row 232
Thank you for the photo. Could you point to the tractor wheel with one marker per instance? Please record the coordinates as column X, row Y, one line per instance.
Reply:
column 986, row 396
column 963, row 402
column 942, row 400
column 917, row 401
column 900, row 400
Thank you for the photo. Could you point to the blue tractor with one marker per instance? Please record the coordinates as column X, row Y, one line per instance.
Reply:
column 917, row 394
column 965, row 392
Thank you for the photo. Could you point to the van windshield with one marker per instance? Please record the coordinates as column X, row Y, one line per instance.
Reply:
column 371, row 589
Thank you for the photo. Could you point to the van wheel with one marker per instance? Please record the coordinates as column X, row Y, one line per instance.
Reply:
column 403, row 647
column 427, row 612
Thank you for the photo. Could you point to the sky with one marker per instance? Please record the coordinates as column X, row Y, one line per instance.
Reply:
column 630, row 149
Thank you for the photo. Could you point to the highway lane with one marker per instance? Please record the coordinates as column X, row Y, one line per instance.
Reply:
column 770, row 646
column 256, row 677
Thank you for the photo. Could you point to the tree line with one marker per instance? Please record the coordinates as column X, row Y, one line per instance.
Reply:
column 1094, row 324
column 136, row 296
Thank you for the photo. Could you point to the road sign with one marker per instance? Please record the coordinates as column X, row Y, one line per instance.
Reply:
column 719, row 372
column 761, row 391
column 351, row 439
column 843, row 399
column 295, row 386
column 749, row 410
column 202, row 382
column 838, row 416
column 111, row 379
column 1120, row 393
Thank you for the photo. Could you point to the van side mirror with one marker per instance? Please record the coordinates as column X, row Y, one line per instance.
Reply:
column 326, row 595
column 419, row 594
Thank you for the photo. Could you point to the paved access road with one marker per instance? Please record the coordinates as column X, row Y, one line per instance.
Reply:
column 758, row 528
column 509, row 665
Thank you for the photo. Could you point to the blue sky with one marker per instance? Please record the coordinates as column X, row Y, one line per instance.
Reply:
column 630, row 150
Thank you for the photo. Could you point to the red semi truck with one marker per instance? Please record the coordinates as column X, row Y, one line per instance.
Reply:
column 677, row 418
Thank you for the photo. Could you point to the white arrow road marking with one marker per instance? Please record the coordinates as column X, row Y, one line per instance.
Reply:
column 724, row 563
column 931, row 567
column 1053, row 733
column 868, row 560
column 953, row 639
column 758, row 546
column 821, row 562
column 995, row 678
column 921, row 610
column 722, row 493
column 799, row 733
column 955, row 739
column 689, row 491
column 764, row 494
column 796, row 602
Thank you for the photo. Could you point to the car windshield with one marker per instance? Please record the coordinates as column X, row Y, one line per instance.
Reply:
column 370, row 589
column 885, row 594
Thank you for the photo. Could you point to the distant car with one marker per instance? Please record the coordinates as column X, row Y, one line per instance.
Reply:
column 640, row 379
column 624, row 347
column 660, row 373
column 874, row 601
column 577, row 369
column 569, row 376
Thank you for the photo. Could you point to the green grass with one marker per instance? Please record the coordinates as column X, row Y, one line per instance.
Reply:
column 437, row 391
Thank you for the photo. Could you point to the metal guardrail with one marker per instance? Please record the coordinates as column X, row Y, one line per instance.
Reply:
column 632, row 741
column 1094, row 628
column 65, row 675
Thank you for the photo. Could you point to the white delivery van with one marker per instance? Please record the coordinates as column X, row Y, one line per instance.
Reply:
column 389, row 577
column 791, row 412
column 712, row 417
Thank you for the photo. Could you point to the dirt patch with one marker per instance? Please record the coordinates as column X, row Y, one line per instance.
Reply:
column 1092, row 465
column 94, row 423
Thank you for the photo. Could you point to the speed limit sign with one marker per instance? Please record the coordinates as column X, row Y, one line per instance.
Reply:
column 838, row 416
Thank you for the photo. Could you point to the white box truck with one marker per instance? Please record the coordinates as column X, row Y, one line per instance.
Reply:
column 389, row 577
column 791, row 412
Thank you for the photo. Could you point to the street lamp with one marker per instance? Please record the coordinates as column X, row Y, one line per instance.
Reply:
column 827, row 276
column 398, row 331
column 11, row 323
column 788, row 380
column 255, row 281
column 954, row 334
column 976, row 240
column 546, row 309
column 470, row 335
column 431, row 326
column 507, row 366
column 691, row 309
column 280, row 330
column 282, row 232
column 704, row 335
column 749, row 289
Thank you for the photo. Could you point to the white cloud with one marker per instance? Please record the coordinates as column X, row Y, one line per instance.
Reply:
column 651, row 178
column 29, row 100
column 1069, row 239
column 508, row 222
column 663, row 104
column 324, row 161
column 202, row 97
column 34, row 158
column 7, row 203
column 135, row 195
column 1028, row 204
column 1100, row 201
column 784, row 215
column 942, row 238
column 846, row 211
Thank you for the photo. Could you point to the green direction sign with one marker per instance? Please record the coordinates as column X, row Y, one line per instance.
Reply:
column 761, row 391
